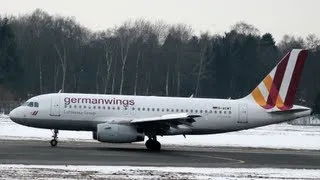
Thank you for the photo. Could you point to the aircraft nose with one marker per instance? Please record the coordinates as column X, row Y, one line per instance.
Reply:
column 15, row 115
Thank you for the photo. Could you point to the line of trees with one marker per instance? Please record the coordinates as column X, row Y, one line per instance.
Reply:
column 41, row 53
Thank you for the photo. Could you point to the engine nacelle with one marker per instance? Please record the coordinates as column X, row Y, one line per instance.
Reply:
column 118, row 133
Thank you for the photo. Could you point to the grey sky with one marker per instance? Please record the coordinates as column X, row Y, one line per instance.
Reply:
column 295, row 17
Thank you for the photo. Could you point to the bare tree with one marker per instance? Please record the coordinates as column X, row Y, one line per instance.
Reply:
column 55, row 77
column 181, row 34
column 204, row 46
column 312, row 42
column 202, row 59
column 143, row 31
column 125, row 36
column 244, row 28
column 63, row 59
column 167, row 80
column 290, row 42
column 109, row 59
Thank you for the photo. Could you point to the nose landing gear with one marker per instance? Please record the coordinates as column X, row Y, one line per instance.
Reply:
column 153, row 144
column 54, row 141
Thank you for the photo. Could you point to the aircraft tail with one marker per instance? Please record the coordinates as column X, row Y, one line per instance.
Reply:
column 278, row 89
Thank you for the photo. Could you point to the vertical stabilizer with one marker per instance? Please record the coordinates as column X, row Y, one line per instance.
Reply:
column 278, row 89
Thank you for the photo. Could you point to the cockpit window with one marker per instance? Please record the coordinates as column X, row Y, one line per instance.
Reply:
column 30, row 104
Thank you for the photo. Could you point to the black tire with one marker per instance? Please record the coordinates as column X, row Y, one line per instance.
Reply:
column 153, row 145
column 149, row 144
column 53, row 143
column 156, row 146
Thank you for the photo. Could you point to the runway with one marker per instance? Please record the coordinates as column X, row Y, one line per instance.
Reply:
column 94, row 153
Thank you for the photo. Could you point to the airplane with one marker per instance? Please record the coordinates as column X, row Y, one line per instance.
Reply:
column 127, row 119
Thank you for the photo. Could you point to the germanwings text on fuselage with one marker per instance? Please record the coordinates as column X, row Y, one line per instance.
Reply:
column 111, row 101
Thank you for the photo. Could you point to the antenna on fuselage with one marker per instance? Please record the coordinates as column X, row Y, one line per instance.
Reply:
column 60, row 91
column 191, row 96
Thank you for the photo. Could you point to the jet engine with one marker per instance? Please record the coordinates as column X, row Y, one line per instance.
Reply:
column 118, row 133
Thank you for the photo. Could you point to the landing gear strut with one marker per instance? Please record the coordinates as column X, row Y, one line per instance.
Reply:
column 153, row 144
column 54, row 141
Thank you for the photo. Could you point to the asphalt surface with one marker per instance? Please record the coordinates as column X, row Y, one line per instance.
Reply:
column 94, row 153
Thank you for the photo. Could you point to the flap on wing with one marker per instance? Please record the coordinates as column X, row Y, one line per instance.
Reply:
column 165, row 117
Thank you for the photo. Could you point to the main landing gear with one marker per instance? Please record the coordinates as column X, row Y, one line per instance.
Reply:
column 54, row 141
column 153, row 144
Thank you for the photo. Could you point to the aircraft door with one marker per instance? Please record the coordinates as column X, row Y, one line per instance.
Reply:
column 243, row 113
column 55, row 105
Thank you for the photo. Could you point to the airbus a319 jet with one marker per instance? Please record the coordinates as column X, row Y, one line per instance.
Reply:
column 126, row 119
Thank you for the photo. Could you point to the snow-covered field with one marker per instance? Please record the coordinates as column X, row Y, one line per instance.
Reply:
column 127, row 172
column 273, row 136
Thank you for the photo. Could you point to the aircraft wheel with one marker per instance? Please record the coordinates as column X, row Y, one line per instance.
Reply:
column 153, row 145
column 53, row 143
column 149, row 144
column 156, row 146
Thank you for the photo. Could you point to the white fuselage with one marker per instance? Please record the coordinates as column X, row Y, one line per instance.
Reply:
column 68, row 111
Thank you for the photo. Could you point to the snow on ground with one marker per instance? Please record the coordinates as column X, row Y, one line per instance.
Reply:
column 130, row 172
column 273, row 136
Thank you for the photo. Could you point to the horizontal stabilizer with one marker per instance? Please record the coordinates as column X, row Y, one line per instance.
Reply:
column 294, row 109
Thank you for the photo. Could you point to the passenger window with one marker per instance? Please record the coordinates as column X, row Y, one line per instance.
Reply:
column 75, row 106
column 187, row 110
column 177, row 110
column 196, row 111
column 172, row 110
column 132, row 108
column 205, row 111
column 200, row 111
column 181, row 110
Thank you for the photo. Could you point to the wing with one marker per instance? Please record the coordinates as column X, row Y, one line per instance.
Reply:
column 165, row 124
